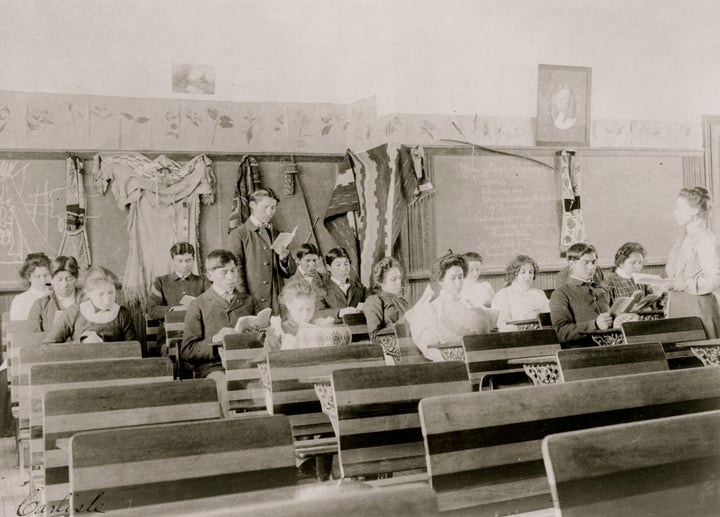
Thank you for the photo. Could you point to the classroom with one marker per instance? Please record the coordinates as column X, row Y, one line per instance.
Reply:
column 359, row 257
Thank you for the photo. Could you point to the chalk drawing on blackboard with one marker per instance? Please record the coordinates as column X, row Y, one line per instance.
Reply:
column 24, row 218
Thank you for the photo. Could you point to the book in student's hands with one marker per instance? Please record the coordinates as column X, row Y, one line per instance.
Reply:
column 633, row 303
column 261, row 321
column 283, row 240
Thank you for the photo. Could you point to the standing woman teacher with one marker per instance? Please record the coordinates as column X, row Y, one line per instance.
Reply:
column 693, row 267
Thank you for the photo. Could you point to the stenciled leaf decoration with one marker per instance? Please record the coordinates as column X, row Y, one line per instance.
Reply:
column 226, row 125
column 212, row 113
column 142, row 120
column 127, row 116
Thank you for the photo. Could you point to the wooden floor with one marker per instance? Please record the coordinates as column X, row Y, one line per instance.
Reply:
column 11, row 495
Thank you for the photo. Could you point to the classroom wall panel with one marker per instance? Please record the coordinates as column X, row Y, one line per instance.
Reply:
column 32, row 207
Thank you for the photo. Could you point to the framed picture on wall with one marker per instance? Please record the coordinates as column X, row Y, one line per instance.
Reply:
column 563, row 105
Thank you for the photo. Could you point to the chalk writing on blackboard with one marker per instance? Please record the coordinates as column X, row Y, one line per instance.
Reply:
column 499, row 206
column 26, row 214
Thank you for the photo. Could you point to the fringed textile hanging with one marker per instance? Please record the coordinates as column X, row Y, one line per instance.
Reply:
column 163, row 200
column 567, row 164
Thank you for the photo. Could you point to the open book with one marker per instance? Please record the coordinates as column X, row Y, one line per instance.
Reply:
column 261, row 321
column 633, row 303
column 184, row 302
column 283, row 240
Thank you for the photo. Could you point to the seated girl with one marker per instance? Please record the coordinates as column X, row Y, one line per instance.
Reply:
column 98, row 318
column 580, row 306
column 448, row 317
column 65, row 292
column 299, row 298
column 36, row 270
column 475, row 292
column 384, row 308
column 629, row 259
column 342, row 295
column 519, row 300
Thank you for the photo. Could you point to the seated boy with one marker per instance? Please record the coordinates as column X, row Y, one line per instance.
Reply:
column 175, row 289
column 211, row 316
column 579, row 306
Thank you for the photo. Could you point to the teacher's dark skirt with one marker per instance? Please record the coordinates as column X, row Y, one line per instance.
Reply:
column 704, row 306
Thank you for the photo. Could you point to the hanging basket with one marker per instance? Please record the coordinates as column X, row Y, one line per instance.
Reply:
column 289, row 170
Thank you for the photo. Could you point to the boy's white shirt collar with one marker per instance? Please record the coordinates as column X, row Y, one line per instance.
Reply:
column 255, row 221
column 345, row 286
column 221, row 292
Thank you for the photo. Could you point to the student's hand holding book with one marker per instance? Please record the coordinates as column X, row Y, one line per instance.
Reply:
column 604, row 321
column 348, row 310
column 281, row 243
column 624, row 318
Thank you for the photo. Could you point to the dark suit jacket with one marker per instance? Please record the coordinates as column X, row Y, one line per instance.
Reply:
column 260, row 271
column 205, row 316
column 334, row 299
column 168, row 290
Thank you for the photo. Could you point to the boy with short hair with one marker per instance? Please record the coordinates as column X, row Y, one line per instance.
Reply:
column 169, row 290
column 261, row 271
column 211, row 316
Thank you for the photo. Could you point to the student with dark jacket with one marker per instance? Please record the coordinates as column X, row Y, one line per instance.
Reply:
column 211, row 316
column 342, row 295
column 261, row 271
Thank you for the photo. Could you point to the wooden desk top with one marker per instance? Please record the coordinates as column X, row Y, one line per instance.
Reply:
column 701, row 343
column 451, row 344
column 533, row 360
column 532, row 321
column 316, row 379
column 224, row 504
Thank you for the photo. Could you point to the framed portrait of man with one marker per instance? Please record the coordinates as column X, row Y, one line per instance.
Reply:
column 563, row 105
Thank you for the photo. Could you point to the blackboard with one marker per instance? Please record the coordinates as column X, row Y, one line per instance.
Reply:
column 501, row 206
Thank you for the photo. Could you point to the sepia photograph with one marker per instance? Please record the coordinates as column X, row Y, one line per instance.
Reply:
column 359, row 258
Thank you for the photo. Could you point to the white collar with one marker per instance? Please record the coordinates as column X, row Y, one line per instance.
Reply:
column 256, row 222
column 87, row 309
column 221, row 293
column 341, row 285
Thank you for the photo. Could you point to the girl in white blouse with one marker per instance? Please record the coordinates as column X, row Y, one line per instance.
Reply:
column 519, row 300
column 447, row 318
column 36, row 270
column 693, row 266
column 474, row 291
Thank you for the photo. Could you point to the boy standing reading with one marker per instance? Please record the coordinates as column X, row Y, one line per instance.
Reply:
column 261, row 271
column 211, row 316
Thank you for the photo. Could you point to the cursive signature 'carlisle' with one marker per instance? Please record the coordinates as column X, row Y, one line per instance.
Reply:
column 31, row 506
